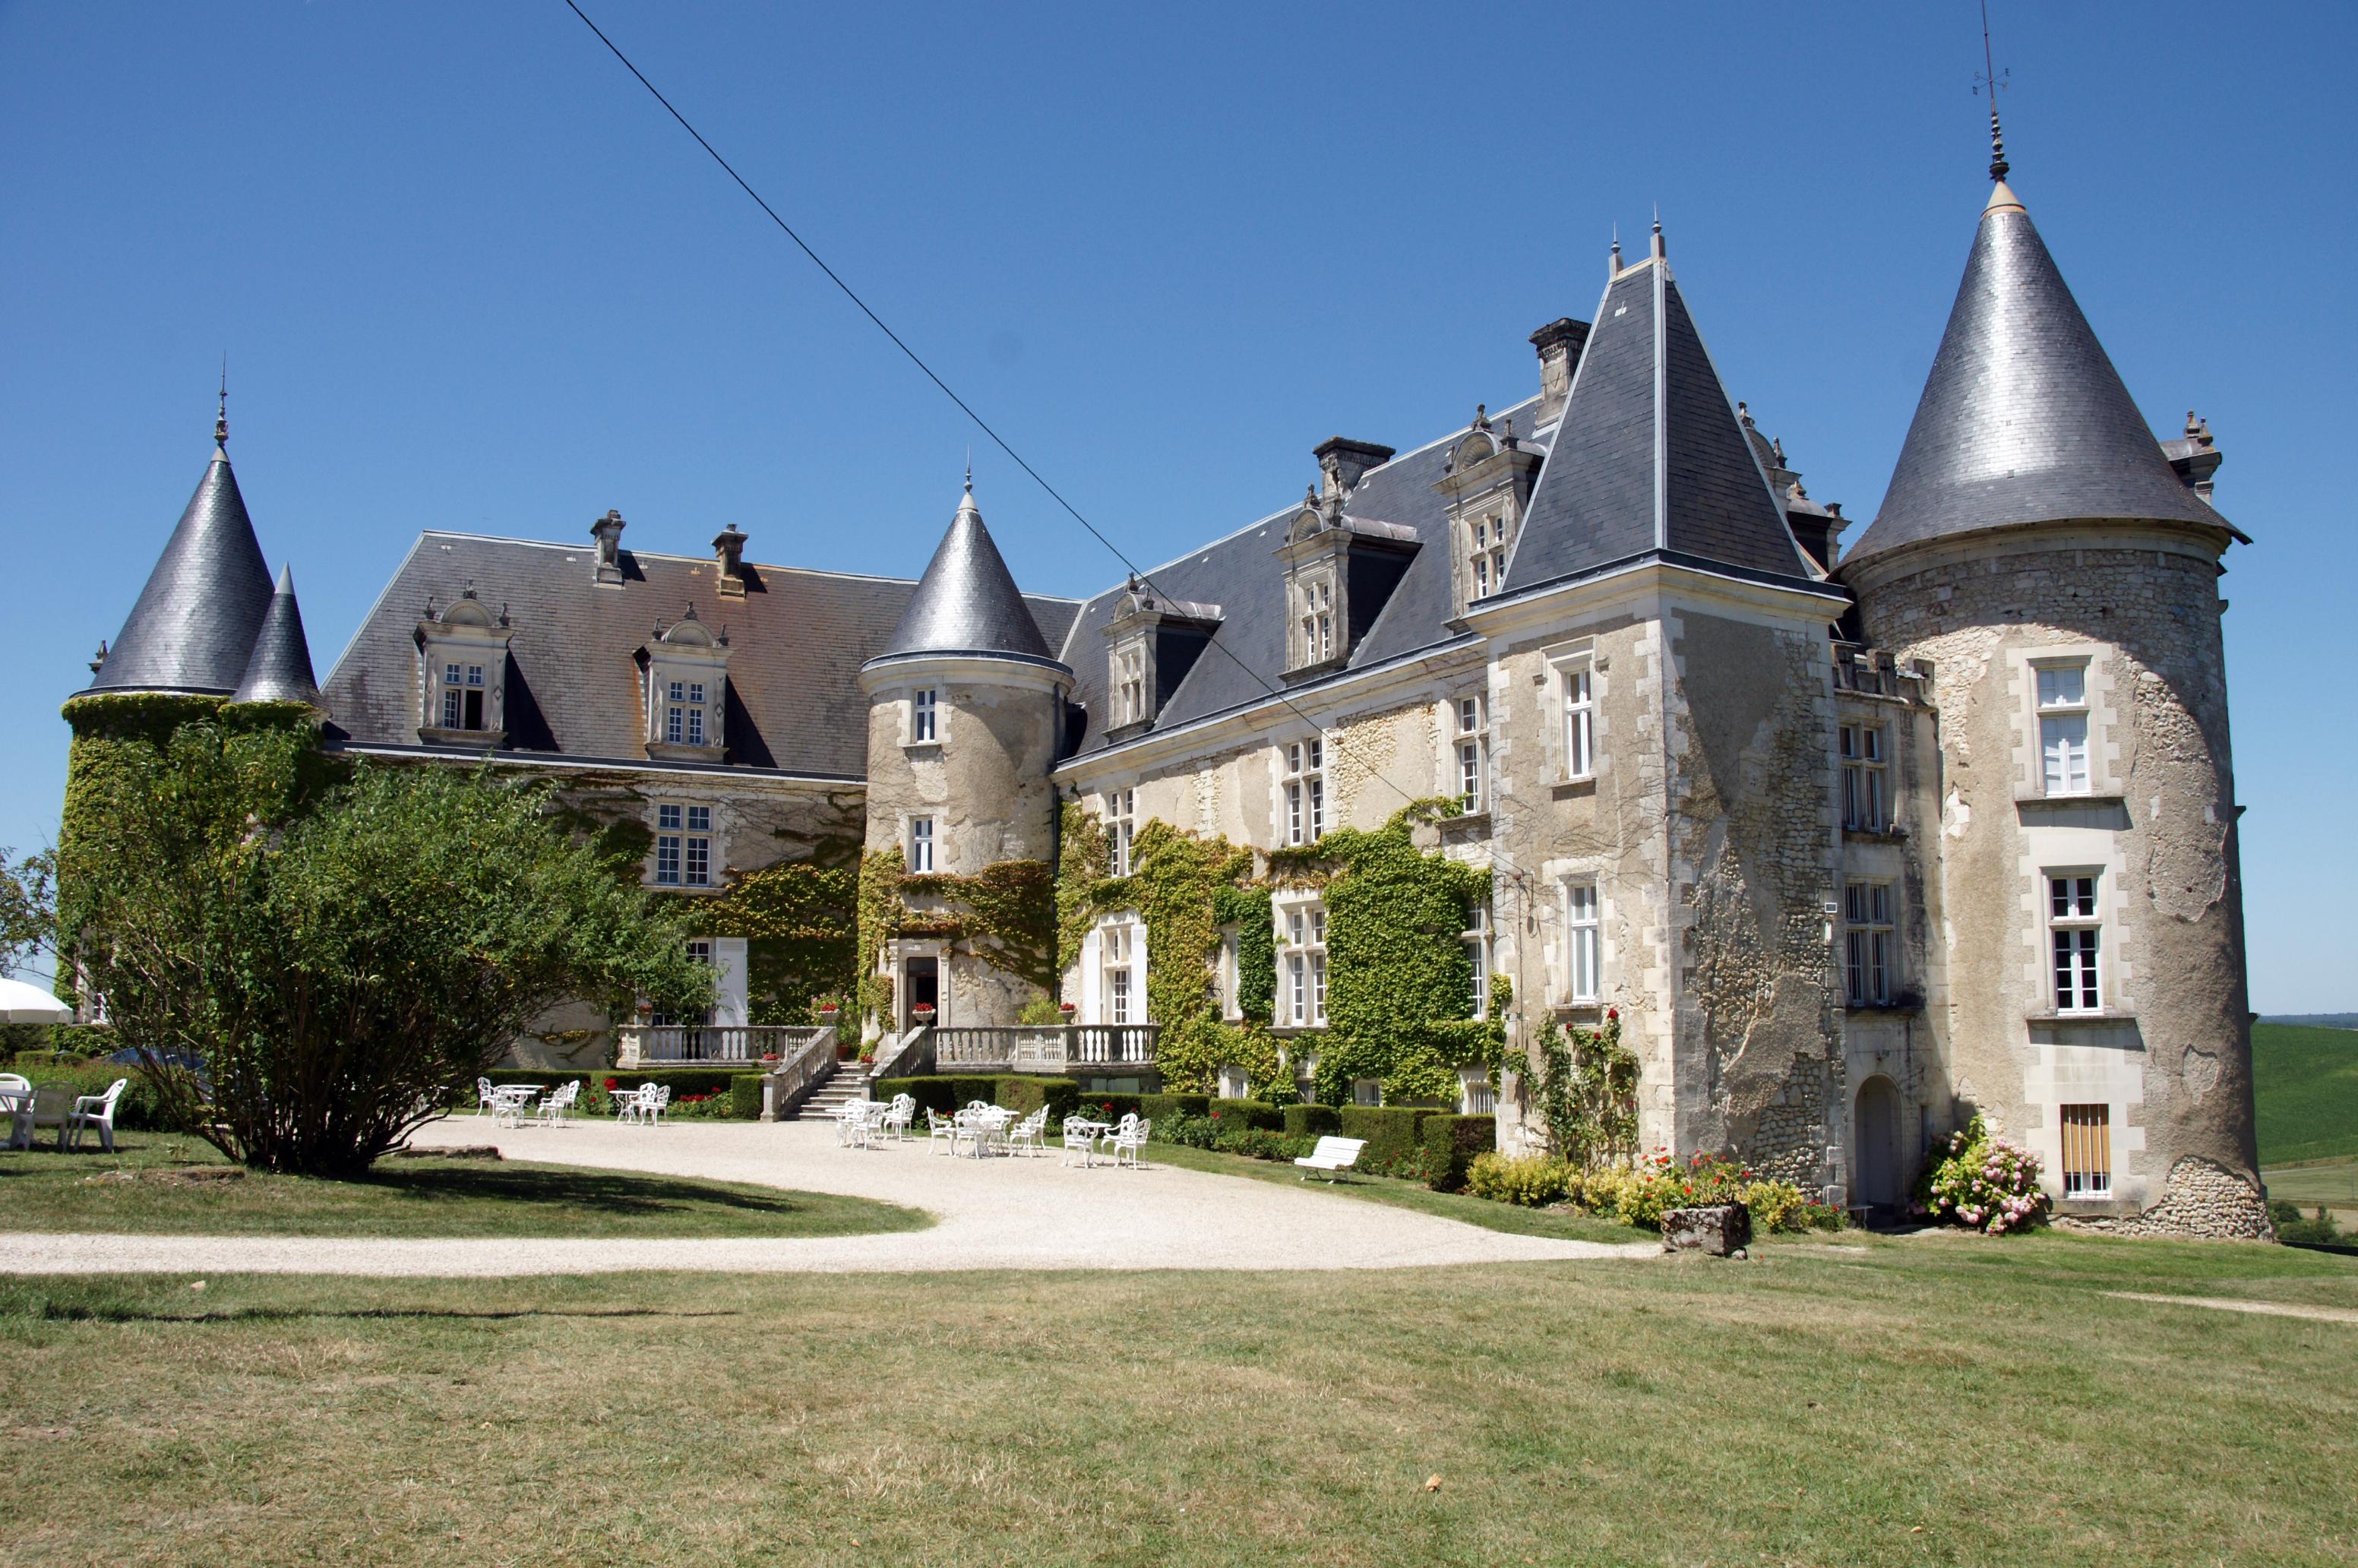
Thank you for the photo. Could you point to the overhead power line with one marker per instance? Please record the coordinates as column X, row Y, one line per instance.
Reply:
column 967, row 409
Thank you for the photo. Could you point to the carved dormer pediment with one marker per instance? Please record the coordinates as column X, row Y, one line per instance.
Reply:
column 1339, row 570
column 1485, row 484
column 1150, row 644
column 462, row 667
column 684, row 671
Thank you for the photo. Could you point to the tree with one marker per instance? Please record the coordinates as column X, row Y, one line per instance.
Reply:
column 340, row 957
column 26, row 907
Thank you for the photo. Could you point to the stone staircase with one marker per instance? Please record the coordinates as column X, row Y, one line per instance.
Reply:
column 846, row 1081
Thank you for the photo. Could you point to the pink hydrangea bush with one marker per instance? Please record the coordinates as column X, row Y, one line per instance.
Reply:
column 1985, row 1184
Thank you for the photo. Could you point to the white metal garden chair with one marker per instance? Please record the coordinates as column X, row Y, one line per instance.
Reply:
column 1080, row 1138
column 483, row 1097
column 1029, row 1136
column 656, row 1098
column 560, row 1102
column 1129, row 1138
column 94, row 1111
column 898, row 1115
column 941, row 1130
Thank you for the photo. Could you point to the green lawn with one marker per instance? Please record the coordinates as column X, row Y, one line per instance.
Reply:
column 1936, row 1400
column 1410, row 1196
column 43, row 1190
column 2330, row 1183
column 2305, row 1085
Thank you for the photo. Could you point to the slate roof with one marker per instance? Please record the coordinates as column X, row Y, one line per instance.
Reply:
column 2023, row 419
column 798, row 639
column 1241, row 575
column 1650, row 454
column 278, row 668
column 968, row 602
column 195, row 621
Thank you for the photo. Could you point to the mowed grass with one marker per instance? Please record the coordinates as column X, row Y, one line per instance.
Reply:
column 1938, row 1399
column 2305, row 1090
column 43, row 1190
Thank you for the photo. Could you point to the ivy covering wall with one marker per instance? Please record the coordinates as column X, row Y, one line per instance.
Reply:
column 1004, row 914
column 1400, row 982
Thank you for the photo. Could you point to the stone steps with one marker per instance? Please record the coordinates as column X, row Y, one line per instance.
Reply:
column 846, row 1082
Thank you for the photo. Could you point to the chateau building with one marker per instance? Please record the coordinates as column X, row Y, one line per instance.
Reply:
column 1850, row 844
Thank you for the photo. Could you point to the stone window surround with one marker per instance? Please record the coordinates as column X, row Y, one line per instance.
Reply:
column 904, row 699
column 1555, row 932
column 1094, row 1001
column 2054, row 850
column 463, row 635
column 936, row 846
column 2104, row 719
column 2087, row 1067
column 1456, row 735
column 1316, row 983
column 1564, row 659
column 716, row 868
column 690, row 653
column 1315, row 825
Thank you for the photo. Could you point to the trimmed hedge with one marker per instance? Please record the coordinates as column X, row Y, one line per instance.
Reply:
column 1257, row 1114
column 1390, row 1133
column 681, row 1080
column 1450, row 1144
column 1311, row 1121
column 745, row 1097
column 1109, row 1107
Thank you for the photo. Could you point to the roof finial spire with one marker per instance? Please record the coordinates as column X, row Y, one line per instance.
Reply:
column 1660, row 250
column 1613, row 267
column 1999, row 166
column 970, row 470
column 221, row 416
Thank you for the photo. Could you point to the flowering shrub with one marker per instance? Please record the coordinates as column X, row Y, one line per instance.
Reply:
column 1639, row 1194
column 1984, row 1182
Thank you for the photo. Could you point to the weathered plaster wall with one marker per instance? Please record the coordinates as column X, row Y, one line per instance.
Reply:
column 2172, row 1056
column 985, row 783
column 1752, row 866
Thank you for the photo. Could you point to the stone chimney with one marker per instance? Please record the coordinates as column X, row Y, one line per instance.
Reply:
column 1342, row 461
column 1559, row 343
column 728, row 548
column 608, row 532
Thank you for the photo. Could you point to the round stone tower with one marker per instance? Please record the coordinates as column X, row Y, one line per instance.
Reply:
column 965, row 710
column 2054, row 571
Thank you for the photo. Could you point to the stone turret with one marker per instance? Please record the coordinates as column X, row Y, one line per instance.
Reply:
column 2037, row 557
column 965, row 714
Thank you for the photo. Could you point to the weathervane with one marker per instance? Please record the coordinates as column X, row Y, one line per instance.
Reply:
column 1990, row 79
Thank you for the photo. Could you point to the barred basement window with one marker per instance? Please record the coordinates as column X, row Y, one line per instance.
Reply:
column 1367, row 1091
column 1305, row 792
column 1866, row 914
column 2087, row 1150
column 1864, row 778
column 2075, row 929
column 1233, row 1083
column 1475, row 1094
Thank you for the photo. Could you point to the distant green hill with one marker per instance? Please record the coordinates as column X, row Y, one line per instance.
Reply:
column 2316, row 1020
column 2305, row 1082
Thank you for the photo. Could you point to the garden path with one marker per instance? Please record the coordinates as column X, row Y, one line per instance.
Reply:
column 1026, row 1214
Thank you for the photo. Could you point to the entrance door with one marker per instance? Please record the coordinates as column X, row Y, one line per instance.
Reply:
column 922, row 986
column 1875, row 1130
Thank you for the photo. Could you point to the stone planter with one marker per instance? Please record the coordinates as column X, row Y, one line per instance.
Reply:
column 1720, row 1230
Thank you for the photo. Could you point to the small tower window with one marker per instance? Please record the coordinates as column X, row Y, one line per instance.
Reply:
column 2064, row 728
column 1584, row 932
column 924, row 717
column 1866, row 916
column 921, row 844
column 2076, row 930
column 1865, row 770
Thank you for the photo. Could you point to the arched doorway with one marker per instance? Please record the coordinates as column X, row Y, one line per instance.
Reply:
column 1875, row 1127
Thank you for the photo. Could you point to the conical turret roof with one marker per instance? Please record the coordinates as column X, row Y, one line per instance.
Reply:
column 194, row 625
column 2024, row 419
column 279, row 667
column 1650, row 456
column 967, row 602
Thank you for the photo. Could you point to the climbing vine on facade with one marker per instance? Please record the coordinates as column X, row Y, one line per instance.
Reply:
column 1588, row 1093
column 799, row 922
column 1400, row 995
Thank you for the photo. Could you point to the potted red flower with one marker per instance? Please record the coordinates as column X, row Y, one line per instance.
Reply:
column 1067, row 1008
column 923, row 1012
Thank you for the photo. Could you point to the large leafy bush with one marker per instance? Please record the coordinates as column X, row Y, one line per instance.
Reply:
column 1984, row 1182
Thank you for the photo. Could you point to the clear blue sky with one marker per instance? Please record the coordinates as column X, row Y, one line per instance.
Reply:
column 470, row 278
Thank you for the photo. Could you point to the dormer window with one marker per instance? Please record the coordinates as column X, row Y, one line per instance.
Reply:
column 1150, row 644
column 687, row 667
column 684, row 713
column 1487, row 484
column 462, row 657
column 1339, row 570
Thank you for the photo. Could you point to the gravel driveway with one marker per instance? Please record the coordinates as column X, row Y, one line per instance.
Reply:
column 993, row 1214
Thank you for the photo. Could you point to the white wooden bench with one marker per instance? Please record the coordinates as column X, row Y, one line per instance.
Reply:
column 1333, row 1156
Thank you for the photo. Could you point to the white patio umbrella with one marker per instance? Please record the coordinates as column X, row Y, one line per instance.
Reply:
column 21, row 1004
